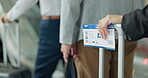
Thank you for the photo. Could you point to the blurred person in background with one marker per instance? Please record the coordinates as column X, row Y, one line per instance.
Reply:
column 49, row 46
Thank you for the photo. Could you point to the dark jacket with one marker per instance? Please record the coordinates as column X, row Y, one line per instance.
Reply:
column 135, row 24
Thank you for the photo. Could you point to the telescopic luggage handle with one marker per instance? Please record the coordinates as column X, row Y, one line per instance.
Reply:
column 120, row 54
column 17, row 38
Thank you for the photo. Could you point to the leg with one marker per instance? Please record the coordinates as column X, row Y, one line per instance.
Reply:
column 129, row 56
column 87, row 61
column 49, row 49
column 114, row 63
column 107, row 60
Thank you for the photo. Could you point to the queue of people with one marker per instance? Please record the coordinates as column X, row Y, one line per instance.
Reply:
column 61, row 27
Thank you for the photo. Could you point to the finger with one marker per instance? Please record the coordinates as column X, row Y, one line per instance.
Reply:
column 99, row 27
column 65, row 56
column 72, row 52
column 102, row 33
column 62, row 49
column 105, row 32
column 104, row 27
column 65, row 59
column 74, row 49
column 75, row 56
column 103, row 36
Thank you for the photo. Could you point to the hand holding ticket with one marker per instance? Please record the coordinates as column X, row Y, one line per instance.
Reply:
column 92, row 37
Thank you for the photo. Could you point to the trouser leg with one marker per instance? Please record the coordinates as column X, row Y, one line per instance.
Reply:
column 88, row 60
column 128, row 60
column 49, row 49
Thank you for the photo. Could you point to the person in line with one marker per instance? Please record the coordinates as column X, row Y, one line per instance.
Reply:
column 74, row 13
column 134, row 24
column 49, row 46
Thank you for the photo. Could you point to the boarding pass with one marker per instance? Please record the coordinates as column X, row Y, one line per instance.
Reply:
column 92, row 37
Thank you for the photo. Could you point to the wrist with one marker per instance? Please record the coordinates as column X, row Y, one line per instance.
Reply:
column 66, row 44
column 116, row 19
column 121, row 18
column 5, row 19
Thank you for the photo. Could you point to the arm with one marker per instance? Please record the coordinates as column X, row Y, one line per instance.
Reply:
column 70, row 17
column 135, row 24
column 69, row 29
column 18, row 9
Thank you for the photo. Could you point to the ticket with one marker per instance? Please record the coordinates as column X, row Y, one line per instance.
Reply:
column 92, row 37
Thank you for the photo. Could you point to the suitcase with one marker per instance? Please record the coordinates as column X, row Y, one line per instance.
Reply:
column 13, row 70
column 120, row 54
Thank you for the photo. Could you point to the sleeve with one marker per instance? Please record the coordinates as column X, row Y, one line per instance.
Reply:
column 135, row 24
column 19, row 8
column 70, row 21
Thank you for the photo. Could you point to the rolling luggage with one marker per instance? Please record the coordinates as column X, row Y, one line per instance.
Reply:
column 120, row 54
column 13, row 70
column 92, row 38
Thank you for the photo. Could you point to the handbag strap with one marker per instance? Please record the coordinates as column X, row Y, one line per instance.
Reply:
column 71, row 68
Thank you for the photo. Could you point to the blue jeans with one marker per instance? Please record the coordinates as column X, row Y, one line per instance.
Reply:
column 49, row 49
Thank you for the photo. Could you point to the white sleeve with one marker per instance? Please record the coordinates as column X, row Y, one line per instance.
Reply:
column 19, row 8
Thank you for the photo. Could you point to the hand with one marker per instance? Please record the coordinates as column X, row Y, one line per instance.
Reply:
column 65, row 49
column 109, row 19
column 5, row 19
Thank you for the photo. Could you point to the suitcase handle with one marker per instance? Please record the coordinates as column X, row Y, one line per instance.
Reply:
column 5, row 54
column 120, row 51
column 120, row 54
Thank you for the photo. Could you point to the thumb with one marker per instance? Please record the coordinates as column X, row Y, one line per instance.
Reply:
column 75, row 56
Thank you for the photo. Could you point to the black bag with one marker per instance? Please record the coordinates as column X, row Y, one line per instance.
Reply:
column 8, row 70
column 71, row 68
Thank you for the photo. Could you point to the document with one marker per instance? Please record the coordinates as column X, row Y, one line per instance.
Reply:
column 92, row 37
